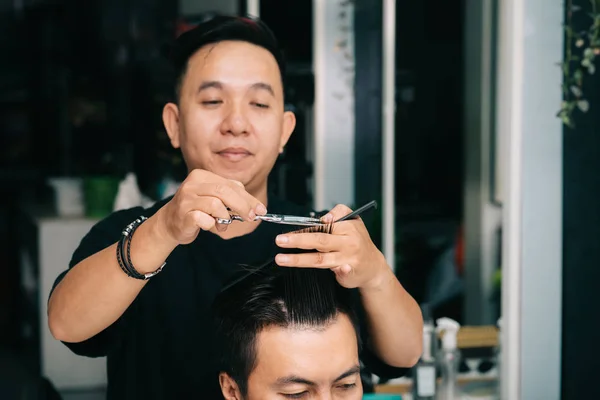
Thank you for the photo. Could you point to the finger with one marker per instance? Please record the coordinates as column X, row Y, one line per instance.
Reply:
column 234, row 197
column 336, row 213
column 227, row 194
column 257, row 206
column 206, row 183
column 323, row 242
column 212, row 206
column 201, row 220
column 309, row 260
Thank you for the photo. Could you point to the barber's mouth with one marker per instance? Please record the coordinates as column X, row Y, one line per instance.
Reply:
column 234, row 154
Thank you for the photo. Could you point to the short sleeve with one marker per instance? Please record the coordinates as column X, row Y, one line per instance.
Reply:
column 102, row 235
column 371, row 361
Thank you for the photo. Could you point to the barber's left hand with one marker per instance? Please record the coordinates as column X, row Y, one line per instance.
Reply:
column 348, row 251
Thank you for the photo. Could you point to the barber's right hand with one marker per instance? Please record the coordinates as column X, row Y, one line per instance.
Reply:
column 201, row 198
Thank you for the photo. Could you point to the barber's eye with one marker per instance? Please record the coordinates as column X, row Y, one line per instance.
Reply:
column 211, row 102
column 295, row 395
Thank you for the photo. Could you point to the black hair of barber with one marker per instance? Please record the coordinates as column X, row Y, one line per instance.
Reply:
column 219, row 29
column 274, row 296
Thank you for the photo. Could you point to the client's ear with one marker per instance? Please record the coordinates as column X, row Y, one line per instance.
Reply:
column 229, row 388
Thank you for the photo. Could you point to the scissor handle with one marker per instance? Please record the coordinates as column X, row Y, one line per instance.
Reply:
column 224, row 221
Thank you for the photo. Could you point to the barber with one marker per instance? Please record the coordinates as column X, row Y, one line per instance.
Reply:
column 229, row 122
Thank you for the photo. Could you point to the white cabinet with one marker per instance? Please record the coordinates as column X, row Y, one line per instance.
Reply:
column 47, row 247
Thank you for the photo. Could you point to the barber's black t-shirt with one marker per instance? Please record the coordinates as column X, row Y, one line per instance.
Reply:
column 161, row 346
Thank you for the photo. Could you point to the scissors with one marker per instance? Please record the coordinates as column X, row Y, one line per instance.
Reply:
column 277, row 219
column 297, row 220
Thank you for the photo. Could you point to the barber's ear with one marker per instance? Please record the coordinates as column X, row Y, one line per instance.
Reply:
column 289, row 123
column 171, row 122
column 229, row 387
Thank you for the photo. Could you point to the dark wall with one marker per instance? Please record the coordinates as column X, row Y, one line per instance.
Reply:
column 367, row 106
column 291, row 21
column 428, row 137
column 429, row 130
column 581, row 242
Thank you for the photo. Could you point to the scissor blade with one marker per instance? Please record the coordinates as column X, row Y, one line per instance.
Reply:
column 290, row 220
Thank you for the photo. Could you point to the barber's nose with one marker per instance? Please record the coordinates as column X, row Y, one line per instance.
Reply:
column 235, row 122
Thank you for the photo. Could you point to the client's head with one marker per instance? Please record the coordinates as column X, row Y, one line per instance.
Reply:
column 287, row 333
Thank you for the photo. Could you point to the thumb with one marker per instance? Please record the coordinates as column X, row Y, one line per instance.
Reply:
column 342, row 271
column 336, row 213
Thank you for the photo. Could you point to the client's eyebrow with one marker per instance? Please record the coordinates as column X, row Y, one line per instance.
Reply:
column 294, row 379
column 291, row 379
column 352, row 371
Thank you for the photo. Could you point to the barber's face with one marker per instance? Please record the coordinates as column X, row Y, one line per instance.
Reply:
column 230, row 119
column 305, row 364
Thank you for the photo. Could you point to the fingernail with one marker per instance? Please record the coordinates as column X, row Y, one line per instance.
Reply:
column 261, row 209
column 328, row 218
column 252, row 215
column 346, row 269
column 282, row 239
column 282, row 258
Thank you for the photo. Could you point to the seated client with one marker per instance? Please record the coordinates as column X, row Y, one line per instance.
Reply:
column 287, row 333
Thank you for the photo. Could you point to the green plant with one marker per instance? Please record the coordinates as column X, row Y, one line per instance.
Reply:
column 581, row 49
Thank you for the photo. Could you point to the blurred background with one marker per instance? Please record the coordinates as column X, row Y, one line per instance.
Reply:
column 82, row 86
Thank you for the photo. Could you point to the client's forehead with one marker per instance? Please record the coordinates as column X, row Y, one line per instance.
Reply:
column 319, row 355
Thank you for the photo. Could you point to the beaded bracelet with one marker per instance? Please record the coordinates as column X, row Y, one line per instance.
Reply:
column 124, row 252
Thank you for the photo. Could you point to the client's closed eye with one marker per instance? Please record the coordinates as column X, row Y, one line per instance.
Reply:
column 347, row 386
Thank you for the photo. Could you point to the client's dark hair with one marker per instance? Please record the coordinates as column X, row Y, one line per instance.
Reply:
column 274, row 296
